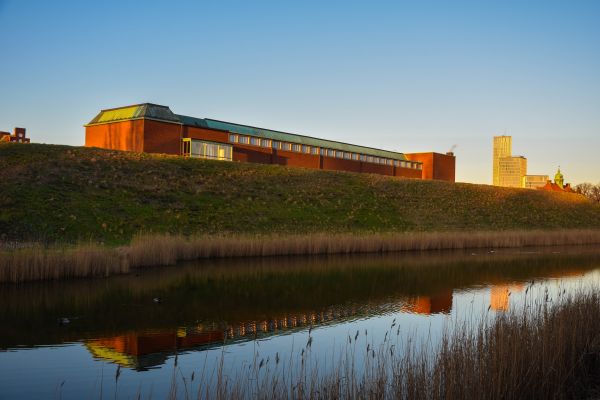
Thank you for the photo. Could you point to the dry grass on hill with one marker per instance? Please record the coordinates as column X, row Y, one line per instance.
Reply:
column 62, row 194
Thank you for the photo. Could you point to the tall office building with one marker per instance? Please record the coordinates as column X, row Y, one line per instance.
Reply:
column 502, row 148
column 511, row 171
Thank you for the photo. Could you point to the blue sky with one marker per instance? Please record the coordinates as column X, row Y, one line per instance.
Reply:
column 406, row 76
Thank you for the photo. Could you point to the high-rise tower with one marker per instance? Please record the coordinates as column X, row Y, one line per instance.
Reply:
column 502, row 148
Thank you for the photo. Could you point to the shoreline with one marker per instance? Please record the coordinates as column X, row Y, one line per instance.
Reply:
column 39, row 263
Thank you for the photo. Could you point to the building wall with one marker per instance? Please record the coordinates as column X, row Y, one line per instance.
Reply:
column 512, row 171
column 534, row 181
column 253, row 154
column 162, row 137
column 125, row 135
column 436, row 165
column 293, row 159
column 408, row 173
column 205, row 134
column 341, row 164
column 502, row 148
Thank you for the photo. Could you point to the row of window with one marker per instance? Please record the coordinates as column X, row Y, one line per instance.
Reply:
column 302, row 148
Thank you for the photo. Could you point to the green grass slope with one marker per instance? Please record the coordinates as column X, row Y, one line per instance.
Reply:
column 65, row 194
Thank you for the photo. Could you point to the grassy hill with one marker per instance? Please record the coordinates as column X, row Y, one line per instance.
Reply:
column 65, row 194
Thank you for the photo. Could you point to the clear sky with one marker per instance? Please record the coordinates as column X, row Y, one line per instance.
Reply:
column 406, row 76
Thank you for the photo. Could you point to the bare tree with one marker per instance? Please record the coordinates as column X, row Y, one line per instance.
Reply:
column 590, row 191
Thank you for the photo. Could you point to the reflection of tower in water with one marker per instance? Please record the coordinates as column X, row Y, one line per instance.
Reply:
column 500, row 296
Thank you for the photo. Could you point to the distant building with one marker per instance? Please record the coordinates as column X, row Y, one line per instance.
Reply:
column 153, row 128
column 19, row 136
column 511, row 171
column 502, row 148
column 534, row 181
column 558, row 185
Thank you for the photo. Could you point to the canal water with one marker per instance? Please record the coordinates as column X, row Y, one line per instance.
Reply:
column 186, row 328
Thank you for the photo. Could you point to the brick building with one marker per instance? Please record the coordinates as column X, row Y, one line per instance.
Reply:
column 154, row 128
column 18, row 136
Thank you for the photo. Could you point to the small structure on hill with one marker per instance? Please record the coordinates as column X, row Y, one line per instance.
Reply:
column 18, row 136
column 558, row 185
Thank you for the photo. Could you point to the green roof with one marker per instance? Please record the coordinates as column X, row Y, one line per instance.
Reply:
column 137, row 111
column 163, row 113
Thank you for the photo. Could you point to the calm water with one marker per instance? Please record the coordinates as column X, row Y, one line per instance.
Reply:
column 198, row 317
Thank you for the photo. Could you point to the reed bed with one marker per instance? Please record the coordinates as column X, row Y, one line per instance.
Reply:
column 154, row 250
column 39, row 263
column 549, row 349
column 148, row 250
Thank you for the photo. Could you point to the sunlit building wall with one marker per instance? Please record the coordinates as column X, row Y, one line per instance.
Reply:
column 512, row 170
column 534, row 181
column 502, row 148
column 152, row 128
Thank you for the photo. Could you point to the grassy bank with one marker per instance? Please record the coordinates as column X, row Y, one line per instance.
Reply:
column 62, row 194
column 54, row 262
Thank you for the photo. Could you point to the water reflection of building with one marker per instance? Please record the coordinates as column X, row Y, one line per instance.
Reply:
column 147, row 349
column 142, row 350
column 440, row 303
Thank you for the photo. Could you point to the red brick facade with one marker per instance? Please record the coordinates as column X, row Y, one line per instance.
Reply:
column 149, row 135
column 436, row 165
column 18, row 136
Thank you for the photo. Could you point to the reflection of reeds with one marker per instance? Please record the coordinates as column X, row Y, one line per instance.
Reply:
column 540, row 351
column 38, row 263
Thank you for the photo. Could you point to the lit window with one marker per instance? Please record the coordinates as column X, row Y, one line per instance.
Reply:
column 211, row 150
column 244, row 139
column 419, row 166
column 265, row 143
column 296, row 148
column 254, row 141
column 233, row 138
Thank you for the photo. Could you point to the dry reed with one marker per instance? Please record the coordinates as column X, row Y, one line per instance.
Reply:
column 39, row 263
